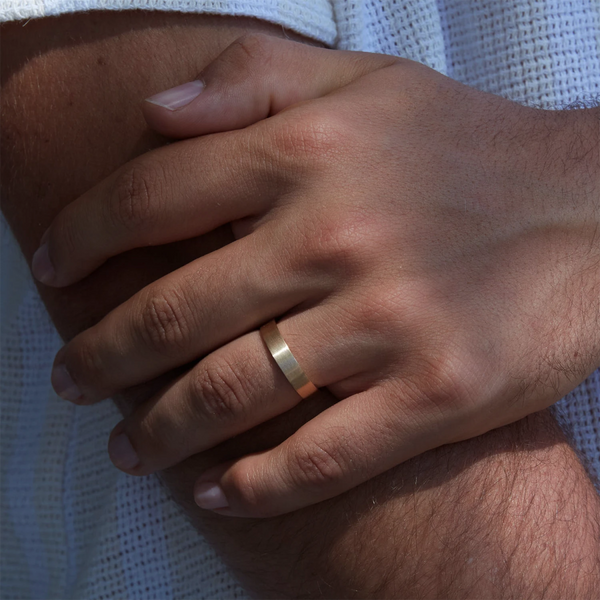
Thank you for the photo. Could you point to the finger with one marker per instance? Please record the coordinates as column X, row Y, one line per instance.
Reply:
column 240, row 386
column 346, row 445
column 182, row 317
column 254, row 78
column 187, row 189
column 231, row 391
column 173, row 193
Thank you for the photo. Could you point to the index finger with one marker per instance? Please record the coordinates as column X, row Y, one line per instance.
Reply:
column 176, row 192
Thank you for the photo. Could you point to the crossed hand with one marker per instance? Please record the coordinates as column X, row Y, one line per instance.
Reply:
column 428, row 251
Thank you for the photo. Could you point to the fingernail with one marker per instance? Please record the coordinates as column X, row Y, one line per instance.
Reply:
column 179, row 96
column 41, row 265
column 210, row 496
column 63, row 384
column 121, row 452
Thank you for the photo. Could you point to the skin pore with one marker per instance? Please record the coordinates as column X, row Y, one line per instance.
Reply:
column 511, row 513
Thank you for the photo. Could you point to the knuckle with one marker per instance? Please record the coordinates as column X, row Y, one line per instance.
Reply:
column 379, row 310
column 135, row 198
column 221, row 391
column 164, row 320
column 448, row 383
column 318, row 137
column 245, row 55
column 341, row 241
column 315, row 464
column 240, row 484
column 252, row 47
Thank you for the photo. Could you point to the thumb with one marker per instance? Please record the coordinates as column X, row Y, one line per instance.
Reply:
column 255, row 77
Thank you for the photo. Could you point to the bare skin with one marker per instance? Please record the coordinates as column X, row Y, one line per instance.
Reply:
column 508, row 514
column 403, row 269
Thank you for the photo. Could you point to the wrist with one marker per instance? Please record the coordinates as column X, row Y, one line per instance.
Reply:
column 572, row 162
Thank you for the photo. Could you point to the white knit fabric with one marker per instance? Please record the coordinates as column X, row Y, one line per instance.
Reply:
column 312, row 18
column 75, row 527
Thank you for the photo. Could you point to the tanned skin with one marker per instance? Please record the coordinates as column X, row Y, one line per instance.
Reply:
column 509, row 514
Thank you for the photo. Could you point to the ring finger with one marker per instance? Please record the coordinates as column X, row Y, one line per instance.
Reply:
column 182, row 317
column 236, row 388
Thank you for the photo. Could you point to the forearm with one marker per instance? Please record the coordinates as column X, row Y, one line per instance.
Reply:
column 475, row 519
column 508, row 514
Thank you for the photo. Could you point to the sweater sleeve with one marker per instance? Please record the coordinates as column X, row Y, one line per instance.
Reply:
column 312, row 18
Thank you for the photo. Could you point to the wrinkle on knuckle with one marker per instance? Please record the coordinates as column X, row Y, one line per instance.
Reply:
column 448, row 384
column 315, row 137
column 249, row 49
column 337, row 242
column 219, row 391
column 379, row 311
column 315, row 465
column 135, row 197
column 255, row 45
column 297, row 143
column 164, row 321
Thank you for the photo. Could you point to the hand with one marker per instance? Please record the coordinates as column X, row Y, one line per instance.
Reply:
column 412, row 231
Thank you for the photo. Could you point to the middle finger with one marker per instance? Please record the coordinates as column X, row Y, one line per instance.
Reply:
column 183, row 316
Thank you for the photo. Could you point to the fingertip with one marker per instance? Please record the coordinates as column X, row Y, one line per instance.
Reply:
column 172, row 113
column 178, row 97
column 129, row 451
column 121, row 451
column 165, row 122
column 209, row 495
column 42, row 267
column 227, row 490
column 210, row 492
column 117, row 429
column 64, row 384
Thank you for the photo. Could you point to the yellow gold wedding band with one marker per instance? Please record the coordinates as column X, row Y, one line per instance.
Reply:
column 285, row 359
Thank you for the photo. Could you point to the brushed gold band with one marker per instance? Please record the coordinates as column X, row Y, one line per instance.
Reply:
column 285, row 360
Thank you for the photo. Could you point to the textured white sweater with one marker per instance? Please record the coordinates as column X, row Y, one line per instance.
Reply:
column 75, row 527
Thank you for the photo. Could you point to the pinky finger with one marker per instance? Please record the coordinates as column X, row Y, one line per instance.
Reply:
column 344, row 446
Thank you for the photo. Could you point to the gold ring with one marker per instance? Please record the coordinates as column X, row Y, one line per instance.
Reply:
column 285, row 360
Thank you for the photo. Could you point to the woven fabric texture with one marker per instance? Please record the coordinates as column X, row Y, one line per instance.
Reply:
column 75, row 527
column 312, row 18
